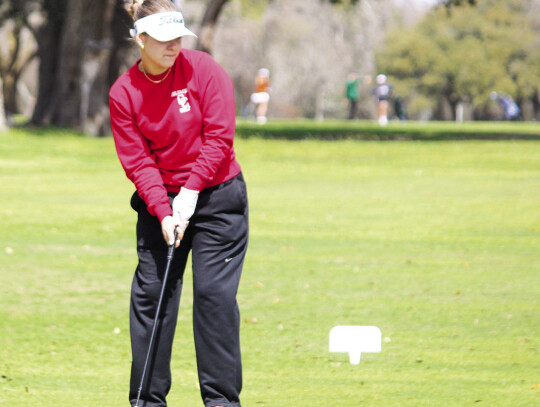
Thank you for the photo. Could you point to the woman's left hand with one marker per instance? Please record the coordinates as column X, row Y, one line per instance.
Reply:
column 183, row 206
column 168, row 227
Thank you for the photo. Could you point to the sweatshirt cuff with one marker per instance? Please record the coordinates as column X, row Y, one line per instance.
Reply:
column 163, row 210
column 195, row 183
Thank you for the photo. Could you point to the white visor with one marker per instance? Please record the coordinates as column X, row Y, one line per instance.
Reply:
column 162, row 26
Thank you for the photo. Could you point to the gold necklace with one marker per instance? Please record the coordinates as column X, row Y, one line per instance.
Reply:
column 153, row 81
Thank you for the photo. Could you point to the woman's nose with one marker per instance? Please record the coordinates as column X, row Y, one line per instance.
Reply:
column 174, row 43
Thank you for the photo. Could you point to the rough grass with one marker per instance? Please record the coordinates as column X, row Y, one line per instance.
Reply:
column 435, row 243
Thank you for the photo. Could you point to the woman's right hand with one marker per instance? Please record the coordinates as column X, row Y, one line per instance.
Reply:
column 168, row 227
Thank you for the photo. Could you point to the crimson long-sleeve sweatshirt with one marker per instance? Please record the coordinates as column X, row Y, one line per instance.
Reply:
column 175, row 133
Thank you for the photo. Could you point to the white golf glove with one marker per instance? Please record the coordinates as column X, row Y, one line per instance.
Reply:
column 183, row 207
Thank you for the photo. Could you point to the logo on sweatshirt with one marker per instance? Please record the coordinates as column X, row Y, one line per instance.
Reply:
column 182, row 100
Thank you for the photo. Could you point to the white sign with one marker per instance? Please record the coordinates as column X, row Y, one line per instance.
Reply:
column 354, row 340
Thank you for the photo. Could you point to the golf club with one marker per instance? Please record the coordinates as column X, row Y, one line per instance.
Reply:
column 170, row 254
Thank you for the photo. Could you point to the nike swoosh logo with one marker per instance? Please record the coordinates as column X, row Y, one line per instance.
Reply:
column 228, row 259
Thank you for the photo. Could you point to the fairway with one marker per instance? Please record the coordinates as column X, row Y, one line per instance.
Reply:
column 436, row 243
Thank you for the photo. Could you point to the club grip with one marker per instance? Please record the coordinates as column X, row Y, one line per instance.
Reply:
column 170, row 251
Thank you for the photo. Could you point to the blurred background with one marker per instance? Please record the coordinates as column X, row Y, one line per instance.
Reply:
column 445, row 59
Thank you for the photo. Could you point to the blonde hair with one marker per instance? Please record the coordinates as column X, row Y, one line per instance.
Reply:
column 143, row 8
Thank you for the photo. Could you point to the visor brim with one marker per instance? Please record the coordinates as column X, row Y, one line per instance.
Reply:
column 168, row 33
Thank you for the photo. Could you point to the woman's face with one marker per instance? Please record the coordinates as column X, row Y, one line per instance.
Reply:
column 158, row 56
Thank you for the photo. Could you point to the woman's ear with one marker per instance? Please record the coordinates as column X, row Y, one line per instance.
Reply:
column 139, row 41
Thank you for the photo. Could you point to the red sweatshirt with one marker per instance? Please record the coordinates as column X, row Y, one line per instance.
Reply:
column 175, row 133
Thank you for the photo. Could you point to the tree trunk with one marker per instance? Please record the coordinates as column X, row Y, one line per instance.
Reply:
column 10, row 72
column 536, row 105
column 16, row 56
column 95, row 72
column 74, row 61
column 66, row 100
column 3, row 124
column 47, row 35
column 47, row 40
column 459, row 112
column 206, row 34
column 121, row 41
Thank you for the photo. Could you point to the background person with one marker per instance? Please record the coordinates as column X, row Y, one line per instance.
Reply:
column 382, row 92
column 399, row 108
column 352, row 93
column 511, row 109
column 261, row 95
column 173, row 121
column 353, row 88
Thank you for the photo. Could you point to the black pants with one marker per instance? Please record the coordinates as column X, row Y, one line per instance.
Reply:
column 217, row 236
column 353, row 106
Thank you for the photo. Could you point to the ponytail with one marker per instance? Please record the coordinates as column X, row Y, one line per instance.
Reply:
column 133, row 6
column 142, row 8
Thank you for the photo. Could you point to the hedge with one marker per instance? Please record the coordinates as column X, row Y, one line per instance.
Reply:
column 370, row 130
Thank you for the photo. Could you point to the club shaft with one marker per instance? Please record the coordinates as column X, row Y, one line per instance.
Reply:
column 170, row 255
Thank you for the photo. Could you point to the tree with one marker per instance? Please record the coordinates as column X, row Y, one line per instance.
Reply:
column 209, row 20
column 78, row 98
column 45, row 20
column 457, row 3
column 81, row 46
column 75, row 44
column 353, row 2
column 463, row 56
column 3, row 124
column 15, row 55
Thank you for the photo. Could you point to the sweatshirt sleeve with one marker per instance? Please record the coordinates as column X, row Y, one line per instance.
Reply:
column 219, row 123
column 138, row 161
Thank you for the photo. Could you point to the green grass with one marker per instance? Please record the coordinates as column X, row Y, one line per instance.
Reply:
column 435, row 243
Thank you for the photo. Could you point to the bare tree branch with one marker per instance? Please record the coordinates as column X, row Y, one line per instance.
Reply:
column 209, row 20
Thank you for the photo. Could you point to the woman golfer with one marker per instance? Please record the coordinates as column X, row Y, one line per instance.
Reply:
column 173, row 121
